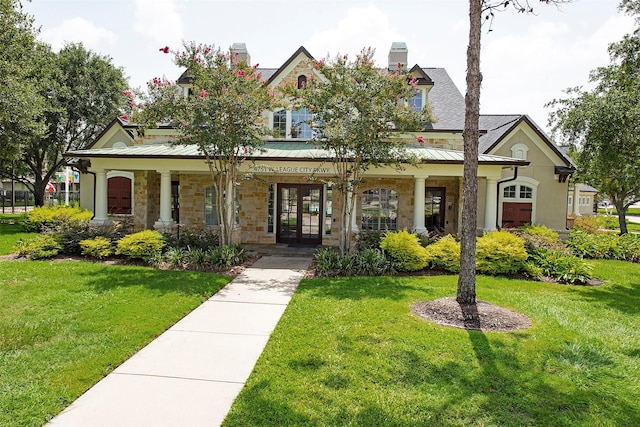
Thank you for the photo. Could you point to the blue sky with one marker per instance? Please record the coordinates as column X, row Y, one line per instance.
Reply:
column 527, row 60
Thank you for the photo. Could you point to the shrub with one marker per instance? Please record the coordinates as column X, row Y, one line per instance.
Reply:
column 222, row 257
column 588, row 224
column 53, row 216
column 500, row 252
column 445, row 254
column 192, row 237
column 405, row 250
column 542, row 231
column 142, row 245
column 565, row 268
column 99, row 248
column 608, row 222
column 327, row 261
column 369, row 239
column 588, row 245
column 197, row 258
column 175, row 257
column 39, row 247
column 373, row 262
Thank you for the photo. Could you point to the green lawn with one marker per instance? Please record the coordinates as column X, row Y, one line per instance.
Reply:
column 65, row 325
column 9, row 236
column 349, row 352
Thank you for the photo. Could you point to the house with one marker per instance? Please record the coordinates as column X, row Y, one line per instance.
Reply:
column 522, row 174
column 582, row 200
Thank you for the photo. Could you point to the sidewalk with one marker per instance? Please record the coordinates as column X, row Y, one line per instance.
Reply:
column 190, row 375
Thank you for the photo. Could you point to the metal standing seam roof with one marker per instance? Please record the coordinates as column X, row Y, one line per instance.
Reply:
column 294, row 151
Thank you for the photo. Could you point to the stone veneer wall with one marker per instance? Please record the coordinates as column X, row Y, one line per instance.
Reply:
column 192, row 189
column 452, row 200
column 146, row 189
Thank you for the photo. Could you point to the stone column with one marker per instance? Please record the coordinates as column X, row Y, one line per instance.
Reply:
column 101, row 204
column 491, row 205
column 418, row 206
column 165, row 219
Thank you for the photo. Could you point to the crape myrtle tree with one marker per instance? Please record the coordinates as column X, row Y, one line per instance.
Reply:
column 20, row 103
column 603, row 124
column 83, row 92
column 221, row 114
column 357, row 108
column 479, row 11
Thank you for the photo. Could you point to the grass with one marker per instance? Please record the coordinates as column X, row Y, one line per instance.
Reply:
column 10, row 234
column 65, row 325
column 349, row 352
column 630, row 211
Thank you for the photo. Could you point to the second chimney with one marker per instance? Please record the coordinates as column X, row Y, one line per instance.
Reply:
column 398, row 54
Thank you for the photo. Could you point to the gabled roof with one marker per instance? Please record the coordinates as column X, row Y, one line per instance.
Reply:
column 300, row 50
column 421, row 76
column 115, row 122
column 499, row 126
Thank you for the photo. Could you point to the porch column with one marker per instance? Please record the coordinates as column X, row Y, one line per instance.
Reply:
column 165, row 219
column 491, row 205
column 354, row 216
column 100, row 201
column 418, row 206
column 576, row 199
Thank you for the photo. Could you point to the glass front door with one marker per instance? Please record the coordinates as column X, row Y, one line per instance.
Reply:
column 434, row 208
column 300, row 214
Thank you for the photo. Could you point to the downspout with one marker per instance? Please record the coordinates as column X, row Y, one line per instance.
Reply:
column 502, row 181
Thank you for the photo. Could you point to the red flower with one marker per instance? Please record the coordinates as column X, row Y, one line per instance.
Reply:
column 164, row 49
column 124, row 117
column 420, row 139
column 127, row 93
column 132, row 103
column 345, row 57
column 399, row 65
column 203, row 93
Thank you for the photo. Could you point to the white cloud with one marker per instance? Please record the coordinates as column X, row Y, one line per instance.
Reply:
column 159, row 21
column 361, row 27
column 79, row 30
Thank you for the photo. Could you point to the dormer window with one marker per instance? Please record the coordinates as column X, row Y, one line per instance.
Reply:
column 302, row 81
column 416, row 101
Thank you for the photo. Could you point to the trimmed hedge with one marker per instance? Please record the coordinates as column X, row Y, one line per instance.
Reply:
column 405, row 250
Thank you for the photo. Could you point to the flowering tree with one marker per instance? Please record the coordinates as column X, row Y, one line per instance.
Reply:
column 356, row 108
column 221, row 114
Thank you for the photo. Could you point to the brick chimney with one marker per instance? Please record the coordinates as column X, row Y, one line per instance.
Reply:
column 239, row 53
column 398, row 53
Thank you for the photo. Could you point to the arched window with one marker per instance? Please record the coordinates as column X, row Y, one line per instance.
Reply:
column 302, row 81
column 379, row 209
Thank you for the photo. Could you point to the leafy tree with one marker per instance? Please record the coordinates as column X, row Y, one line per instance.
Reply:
column 356, row 111
column 83, row 92
column 221, row 115
column 479, row 11
column 20, row 104
column 603, row 124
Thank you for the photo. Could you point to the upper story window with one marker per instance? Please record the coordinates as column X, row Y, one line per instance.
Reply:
column 380, row 209
column 526, row 192
column 302, row 81
column 300, row 124
column 280, row 123
column 416, row 101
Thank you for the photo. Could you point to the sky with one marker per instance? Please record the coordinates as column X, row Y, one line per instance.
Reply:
column 526, row 60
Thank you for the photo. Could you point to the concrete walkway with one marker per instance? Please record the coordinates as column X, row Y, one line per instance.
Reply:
column 191, row 374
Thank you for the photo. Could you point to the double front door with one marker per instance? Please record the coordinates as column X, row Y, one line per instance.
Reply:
column 299, row 213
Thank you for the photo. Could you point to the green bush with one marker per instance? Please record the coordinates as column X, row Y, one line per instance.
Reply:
column 192, row 237
column 369, row 239
column 327, row 262
column 587, row 245
column 444, row 254
column 404, row 250
column 222, row 257
column 53, row 216
column 542, row 231
column 587, row 223
column 565, row 268
column 142, row 245
column 197, row 258
column 39, row 247
column 373, row 262
column 175, row 257
column 608, row 222
column 500, row 252
column 72, row 234
column 99, row 248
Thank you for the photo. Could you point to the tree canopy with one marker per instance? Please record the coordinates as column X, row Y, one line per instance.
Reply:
column 357, row 108
column 221, row 114
column 603, row 124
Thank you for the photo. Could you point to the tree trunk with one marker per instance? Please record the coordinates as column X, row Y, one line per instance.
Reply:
column 622, row 216
column 467, row 279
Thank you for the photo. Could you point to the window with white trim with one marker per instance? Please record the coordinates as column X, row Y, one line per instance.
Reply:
column 211, row 207
column 294, row 124
column 416, row 101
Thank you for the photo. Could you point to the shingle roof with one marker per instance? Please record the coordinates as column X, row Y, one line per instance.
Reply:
column 446, row 100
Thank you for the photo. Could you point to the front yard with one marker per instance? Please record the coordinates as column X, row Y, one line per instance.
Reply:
column 65, row 325
column 349, row 352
